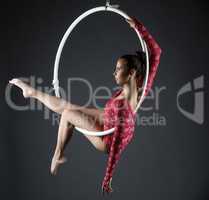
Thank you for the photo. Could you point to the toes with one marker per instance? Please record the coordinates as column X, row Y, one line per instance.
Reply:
column 14, row 80
column 56, row 163
column 53, row 170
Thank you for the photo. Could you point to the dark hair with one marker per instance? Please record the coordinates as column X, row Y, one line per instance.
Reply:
column 136, row 61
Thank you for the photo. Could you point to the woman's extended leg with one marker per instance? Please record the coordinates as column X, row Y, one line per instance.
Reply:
column 56, row 104
column 52, row 102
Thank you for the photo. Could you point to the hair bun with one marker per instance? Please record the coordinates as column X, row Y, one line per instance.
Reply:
column 142, row 56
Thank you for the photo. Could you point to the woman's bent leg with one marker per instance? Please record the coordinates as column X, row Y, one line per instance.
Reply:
column 70, row 119
column 83, row 120
column 65, row 132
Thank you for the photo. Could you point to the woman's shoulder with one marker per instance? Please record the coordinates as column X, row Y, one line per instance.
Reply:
column 120, row 104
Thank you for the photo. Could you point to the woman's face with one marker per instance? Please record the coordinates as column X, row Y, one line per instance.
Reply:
column 121, row 73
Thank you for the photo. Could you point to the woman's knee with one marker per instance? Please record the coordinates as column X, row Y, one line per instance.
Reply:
column 68, row 112
column 95, row 140
column 77, row 118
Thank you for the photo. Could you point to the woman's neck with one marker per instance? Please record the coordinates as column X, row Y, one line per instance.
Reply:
column 130, row 91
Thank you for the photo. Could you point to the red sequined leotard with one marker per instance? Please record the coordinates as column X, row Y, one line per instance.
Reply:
column 119, row 114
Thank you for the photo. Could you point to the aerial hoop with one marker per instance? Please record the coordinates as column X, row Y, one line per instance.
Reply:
column 111, row 8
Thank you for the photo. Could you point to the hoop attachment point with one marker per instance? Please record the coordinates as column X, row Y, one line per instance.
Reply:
column 107, row 3
column 110, row 6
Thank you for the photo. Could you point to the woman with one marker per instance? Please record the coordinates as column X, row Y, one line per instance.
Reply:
column 129, row 74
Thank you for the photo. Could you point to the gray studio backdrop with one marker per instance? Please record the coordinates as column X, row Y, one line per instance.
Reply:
column 169, row 157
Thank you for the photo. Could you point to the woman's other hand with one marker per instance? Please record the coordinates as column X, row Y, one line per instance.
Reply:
column 107, row 187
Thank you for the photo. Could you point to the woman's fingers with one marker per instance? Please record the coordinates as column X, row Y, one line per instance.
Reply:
column 110, row 185
column 131, row 22
column 102, row 191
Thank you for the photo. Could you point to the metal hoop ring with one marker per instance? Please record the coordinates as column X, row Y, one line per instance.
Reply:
column 62, row 43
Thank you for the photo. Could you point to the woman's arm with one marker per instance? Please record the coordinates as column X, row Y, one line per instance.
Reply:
column 153, row 47
column 117, row 146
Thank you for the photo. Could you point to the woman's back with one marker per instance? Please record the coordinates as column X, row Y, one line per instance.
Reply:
column 118, row 112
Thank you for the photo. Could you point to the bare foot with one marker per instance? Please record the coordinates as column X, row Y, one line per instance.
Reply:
column 28, row 91
column 56, row 162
